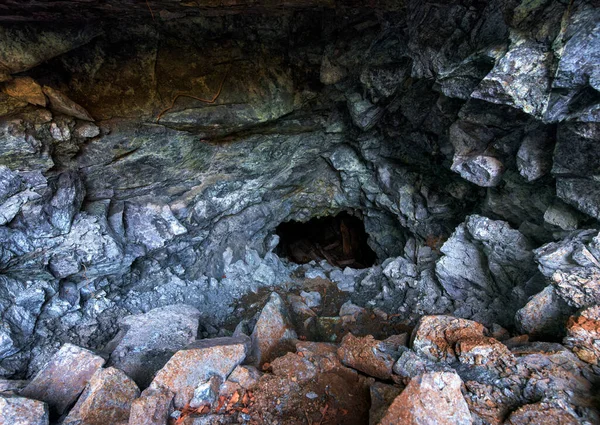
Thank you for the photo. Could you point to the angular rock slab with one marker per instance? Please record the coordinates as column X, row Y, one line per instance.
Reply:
column 435, row 336
column 542, row 413
column 16, row 410
column 149, row 340
column 152, row 408
column 544, row 315
column 367, row 355
column 106, row 400
column 64, row 377
column 61, row 103
column 273, row 333
column 583, row 335
column 245, row 376
column 27, row 90
column 197, row 363
column 430, row 399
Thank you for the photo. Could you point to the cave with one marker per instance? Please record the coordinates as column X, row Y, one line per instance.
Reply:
column 341, row 240
column 299, row 212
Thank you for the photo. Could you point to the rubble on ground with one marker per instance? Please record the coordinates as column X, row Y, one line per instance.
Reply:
column 450, row 371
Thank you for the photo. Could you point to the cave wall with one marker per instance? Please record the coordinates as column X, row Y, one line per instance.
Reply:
column 121, row 191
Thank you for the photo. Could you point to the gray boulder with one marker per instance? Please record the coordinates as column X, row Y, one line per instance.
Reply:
column 484, row 264
column 147, row 341
column 273, row 333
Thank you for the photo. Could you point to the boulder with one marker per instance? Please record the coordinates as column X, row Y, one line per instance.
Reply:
column 206, row 392
column 147, row 341
column 534, row 157
column 435, row 337
column 64, row 377
column 520, row 79
column 16, row 410
column 579, row 287
column 273, row 333
column 583, row 335
column 382, row 396
column 543, row 413
column 199, row 361
column 483, row 351
column 484, row 262
column 245, row 376
column 411, row 365
column 430, row 399
column 153, row 407
column 295, row 367
column 12, row 386
column 27, row 90
column 368, row 355
column 544, row 315
column 107, row 399
column 483, row 170
column 575, row 163
column 59, row 102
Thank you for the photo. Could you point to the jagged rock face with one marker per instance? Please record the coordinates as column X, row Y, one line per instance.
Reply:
column 148, row 155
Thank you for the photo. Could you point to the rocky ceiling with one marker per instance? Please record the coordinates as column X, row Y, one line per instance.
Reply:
column 150, row 150
column 82, row 10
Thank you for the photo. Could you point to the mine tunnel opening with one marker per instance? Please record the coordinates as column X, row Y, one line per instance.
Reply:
column 341, row 240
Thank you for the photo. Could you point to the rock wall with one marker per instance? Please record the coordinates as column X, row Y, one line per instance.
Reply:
column 147, row 160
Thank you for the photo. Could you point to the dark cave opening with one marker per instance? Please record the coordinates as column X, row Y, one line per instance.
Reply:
column 341, row 240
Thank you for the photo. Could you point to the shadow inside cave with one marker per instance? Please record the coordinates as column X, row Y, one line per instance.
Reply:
column 341, row 240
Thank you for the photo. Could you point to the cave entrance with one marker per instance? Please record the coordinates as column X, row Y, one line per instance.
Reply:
column 341, row 240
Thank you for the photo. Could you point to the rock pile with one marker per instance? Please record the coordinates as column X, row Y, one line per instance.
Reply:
column 448, row 371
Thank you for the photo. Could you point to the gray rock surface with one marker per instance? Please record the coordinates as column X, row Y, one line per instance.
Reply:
column 273, row 333
column 147, row 341
column 16, row 410
column 485, row 263
column 545, row 315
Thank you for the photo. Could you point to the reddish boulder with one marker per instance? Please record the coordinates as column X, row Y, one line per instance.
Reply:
column 16, row 410
column 542, row 413
column 435, row 337
column 367, row 355
column 197, row 363
column 430, row 399
column 583, row 335
column 152, row 408
column 64, row 377
column 106, row 400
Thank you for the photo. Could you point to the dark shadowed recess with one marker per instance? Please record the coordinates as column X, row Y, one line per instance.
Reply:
column 341, row 240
